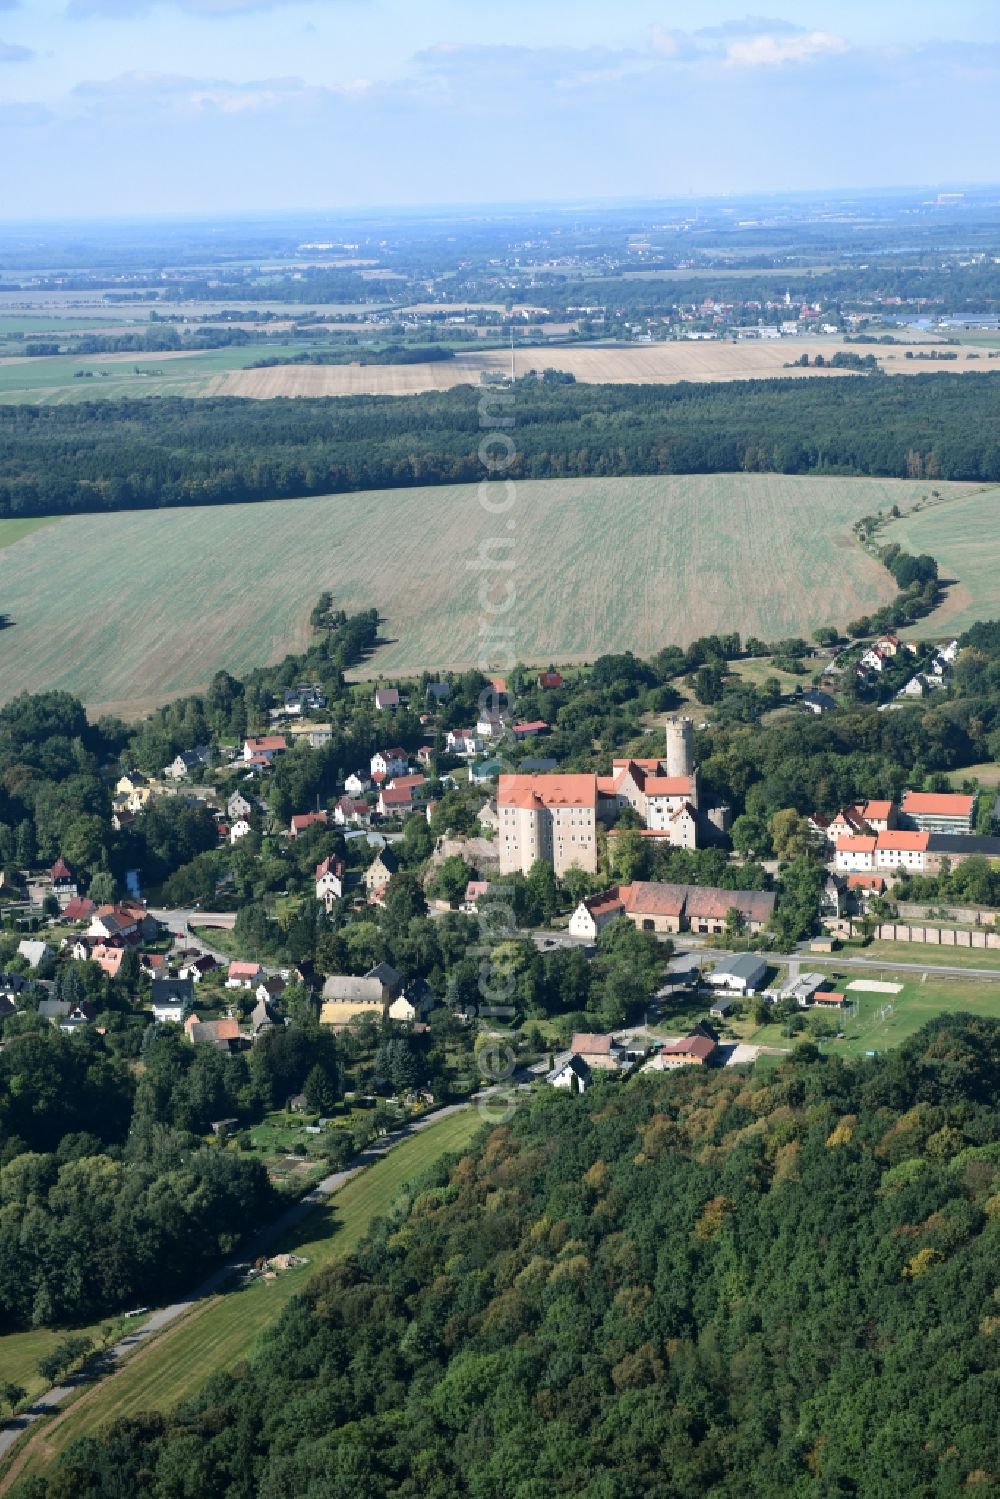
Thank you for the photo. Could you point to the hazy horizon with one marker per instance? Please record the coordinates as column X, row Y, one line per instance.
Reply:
column 178, row 108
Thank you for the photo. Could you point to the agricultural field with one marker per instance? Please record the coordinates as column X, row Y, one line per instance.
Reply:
column 69, row 377
column 648, row 364
column 220, row 1332
column 963, row 535
column 599, row 565
column 884, row 1020
column 16, row 530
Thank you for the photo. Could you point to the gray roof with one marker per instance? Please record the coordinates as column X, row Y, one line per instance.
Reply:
column 538, row 766
column 341, row 987
column 172, row 991
column 721, row 1006
column 963, row 843
column 745, row 965
column 575, row 1064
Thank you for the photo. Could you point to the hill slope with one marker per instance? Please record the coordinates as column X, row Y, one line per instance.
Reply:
column 687, row 1286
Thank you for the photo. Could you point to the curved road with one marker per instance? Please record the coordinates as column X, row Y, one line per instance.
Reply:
column 104, row 1363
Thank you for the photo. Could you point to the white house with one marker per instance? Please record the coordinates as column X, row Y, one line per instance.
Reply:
column 244, row 975
column 239, row 829
column 171, row 999
column 330, row 880
column 464, row 742
column 389, row 762
column 238, row 806
column 594, row 913
column 570, row 1072
column 356, row 784
column 856, row 855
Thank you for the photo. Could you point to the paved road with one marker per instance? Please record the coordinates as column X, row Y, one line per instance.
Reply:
column 105, row 1362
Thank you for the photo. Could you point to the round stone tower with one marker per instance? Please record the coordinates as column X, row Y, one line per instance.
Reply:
column 680, row 747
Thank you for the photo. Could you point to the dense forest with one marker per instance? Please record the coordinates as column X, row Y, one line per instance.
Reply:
column 691, row 1285
column 57, row 460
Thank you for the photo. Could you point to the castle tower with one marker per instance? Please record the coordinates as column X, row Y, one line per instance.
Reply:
column 680, row 747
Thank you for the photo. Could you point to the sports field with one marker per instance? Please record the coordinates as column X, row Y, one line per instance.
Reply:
column 221, row 1332
column 963, row 535
column 883, row 1020
column 129, row 609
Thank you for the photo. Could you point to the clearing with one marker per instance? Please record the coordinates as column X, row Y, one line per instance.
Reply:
column 598, row 565
column 962, row 535
column 220, row 1332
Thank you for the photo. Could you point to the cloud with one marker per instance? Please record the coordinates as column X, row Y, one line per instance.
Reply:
column 178, row 95
column 9, row 52
column 768, row 50
column 13, row 115
column 750, row 26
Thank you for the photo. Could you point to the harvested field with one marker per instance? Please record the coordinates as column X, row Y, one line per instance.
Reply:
column 650, row 364
column 599, row 565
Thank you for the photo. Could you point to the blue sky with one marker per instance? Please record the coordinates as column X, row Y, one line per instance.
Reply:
column 140, row 106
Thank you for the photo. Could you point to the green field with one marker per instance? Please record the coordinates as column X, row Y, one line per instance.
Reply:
column 56, row 380
column 129, row 609
column 16, row 530
column 962, row 535
column 919, row 1000
column 220, row 1332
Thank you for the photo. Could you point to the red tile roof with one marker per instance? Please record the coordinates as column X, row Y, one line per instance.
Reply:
column 267, row 743
column 584, row 1044
column 547, row 791
column 864, row 844
column 668, row 786
column 303, row 820
column 937, row 804
column 879, row 811
column 900, row 839
column 691, row 1046
column 650, row 898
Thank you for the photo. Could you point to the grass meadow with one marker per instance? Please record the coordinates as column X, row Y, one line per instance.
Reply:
column 220, row 1332
column 129, row 609
column 962, row 534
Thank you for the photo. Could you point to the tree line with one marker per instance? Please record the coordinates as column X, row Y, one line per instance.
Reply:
column 136, row 454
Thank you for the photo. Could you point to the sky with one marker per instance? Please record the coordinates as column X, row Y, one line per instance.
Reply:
column 120, row 107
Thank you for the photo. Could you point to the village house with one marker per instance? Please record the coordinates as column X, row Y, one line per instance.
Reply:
column 65, row 1015
column 386, row 699
column 315, row 735
column 394, row 801
column 381, row 870
column 108, row 959
column 488, row 816
column 548, row 680
column 240, row 828
column 464, row 743
column 350, row 811
column 413, row 1005
column 531, row 729
column 171, row 999
column 224, row 1033
column 264, row 748
column 238, row 806
column 345, row 999
column 187, row 761
column 356, row 784
column 474, row 892
column 571, row 1072
column 64, row 885
column 80, row 908
column 307, row 698
column 600, row 1052
column 482, row 772
column 552, row 818
column 305, row 820
column 594, row 913
column 242, row 975
column 694, row 1050
column 387, row 763
column 438, row 692
column 818, row 702
column 330, row 880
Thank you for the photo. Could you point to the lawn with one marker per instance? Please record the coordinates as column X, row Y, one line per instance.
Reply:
column 220, row 1332
column 20, row 1352
column 931, row 954
column 658, row 560
column 962, row 535
column 987, row 773
column 876, row 1028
